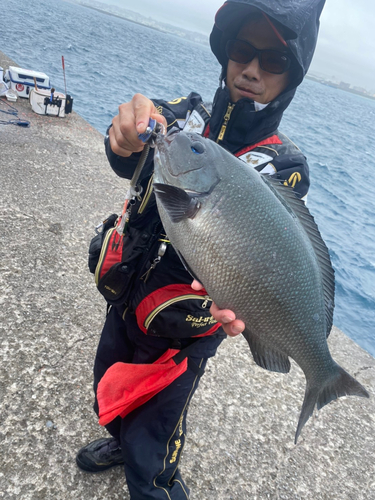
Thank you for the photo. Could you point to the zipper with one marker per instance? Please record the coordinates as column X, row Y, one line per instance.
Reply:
column 169, row 302
column 102, row 254
column 226, row 120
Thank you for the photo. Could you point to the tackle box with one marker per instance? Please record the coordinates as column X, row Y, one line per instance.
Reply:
column 22, row 80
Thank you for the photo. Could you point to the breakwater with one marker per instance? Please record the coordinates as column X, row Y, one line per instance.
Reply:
column 56, row 186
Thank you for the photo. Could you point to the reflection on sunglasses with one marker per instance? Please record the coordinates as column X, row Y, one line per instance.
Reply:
column 272, row 61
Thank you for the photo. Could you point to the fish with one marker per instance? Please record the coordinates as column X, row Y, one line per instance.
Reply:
column 257, row 250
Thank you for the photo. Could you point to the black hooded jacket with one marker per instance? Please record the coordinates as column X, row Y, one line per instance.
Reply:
column 298, row 21
column 249, row 134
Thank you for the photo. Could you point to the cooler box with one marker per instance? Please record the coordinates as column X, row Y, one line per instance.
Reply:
column 22, row 80
column 42, row 103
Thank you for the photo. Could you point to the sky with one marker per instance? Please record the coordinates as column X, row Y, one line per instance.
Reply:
column 346, row 44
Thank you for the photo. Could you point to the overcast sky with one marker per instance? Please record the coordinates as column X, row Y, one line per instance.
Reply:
column 346, row 45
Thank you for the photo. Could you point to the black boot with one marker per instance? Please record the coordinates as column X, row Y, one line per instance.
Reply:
column 100, row 455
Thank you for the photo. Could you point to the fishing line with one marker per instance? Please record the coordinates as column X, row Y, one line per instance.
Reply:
column 13, row 112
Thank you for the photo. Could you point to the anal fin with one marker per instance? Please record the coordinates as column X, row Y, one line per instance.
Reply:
column 265, row 356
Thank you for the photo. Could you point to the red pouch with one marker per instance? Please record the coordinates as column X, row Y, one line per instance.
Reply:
column 125, row 386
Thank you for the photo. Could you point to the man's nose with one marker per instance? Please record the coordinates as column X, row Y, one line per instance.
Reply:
column 252, row 70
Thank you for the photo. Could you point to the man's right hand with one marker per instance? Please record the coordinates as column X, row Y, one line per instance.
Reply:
column 132, row 120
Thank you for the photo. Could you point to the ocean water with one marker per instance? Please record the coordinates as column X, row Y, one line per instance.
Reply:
column 108, row 59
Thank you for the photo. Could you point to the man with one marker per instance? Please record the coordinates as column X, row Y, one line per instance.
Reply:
column 264, row 52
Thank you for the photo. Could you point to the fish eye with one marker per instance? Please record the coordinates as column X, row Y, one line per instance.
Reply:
column 197, row 148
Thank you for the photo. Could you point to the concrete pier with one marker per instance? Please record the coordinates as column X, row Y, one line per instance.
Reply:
column 56, row 185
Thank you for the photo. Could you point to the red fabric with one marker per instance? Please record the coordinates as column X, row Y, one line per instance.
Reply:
column 125, row 386
column 113, row 252
column 274, row 139
column 209, row 332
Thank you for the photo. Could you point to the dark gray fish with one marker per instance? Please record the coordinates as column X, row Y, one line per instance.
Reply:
column 257, row 250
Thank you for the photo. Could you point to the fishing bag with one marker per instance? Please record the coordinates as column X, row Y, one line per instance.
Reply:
column 115, row 258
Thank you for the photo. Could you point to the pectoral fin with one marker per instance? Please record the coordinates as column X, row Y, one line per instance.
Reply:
column 177, row 203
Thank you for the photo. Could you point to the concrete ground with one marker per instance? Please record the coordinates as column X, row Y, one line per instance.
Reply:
column 56, row 186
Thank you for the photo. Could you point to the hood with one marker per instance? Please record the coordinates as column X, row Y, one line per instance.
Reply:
column 297, row 20
column 297, row 23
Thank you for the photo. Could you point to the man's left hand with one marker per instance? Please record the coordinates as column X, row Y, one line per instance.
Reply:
column 226, row 317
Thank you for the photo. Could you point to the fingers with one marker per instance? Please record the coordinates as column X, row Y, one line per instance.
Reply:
column 121, row 142
column 143, row 108
column 132, row 119
column 196, row 285
column 161, row 119
column 227, row 318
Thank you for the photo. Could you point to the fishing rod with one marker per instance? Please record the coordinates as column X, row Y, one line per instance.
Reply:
column 68, row 98
column 63, row 67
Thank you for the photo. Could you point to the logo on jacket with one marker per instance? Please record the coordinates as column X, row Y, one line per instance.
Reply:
column 293, row 179
column 194, row 123
column 178, row 100
column 255, row 159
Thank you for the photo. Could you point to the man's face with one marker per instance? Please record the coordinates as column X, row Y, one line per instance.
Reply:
column 249, row 80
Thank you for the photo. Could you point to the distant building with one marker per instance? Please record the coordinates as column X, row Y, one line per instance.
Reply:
column 345, row 86
column 360, row 89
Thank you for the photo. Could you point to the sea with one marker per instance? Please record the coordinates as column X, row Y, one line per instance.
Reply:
column 108, row 59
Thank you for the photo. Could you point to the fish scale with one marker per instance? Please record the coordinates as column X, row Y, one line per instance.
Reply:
column 258, row 252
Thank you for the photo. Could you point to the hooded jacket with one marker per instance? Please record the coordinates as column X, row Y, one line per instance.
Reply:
column 298, row 22
column 249, row 134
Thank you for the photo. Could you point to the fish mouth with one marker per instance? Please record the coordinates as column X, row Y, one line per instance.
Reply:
column 168, row 137
column 163, row 139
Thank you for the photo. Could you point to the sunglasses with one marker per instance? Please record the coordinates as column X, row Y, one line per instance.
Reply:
column 270, row 60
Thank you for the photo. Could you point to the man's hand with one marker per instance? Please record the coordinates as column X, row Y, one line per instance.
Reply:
column 132, row 120
column 227, row 318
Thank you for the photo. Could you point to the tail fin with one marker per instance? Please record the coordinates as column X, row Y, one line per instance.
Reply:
column 339, row 384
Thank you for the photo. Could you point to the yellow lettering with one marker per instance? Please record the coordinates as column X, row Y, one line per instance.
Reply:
column 201, row 321
column 175, row 453
column 293, row 179
column 177, row 101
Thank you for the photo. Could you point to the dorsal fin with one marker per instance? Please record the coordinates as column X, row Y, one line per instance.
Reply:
column 297, row 207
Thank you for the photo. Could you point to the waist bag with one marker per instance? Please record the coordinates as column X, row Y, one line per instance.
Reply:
column 115, row 258
column 178, row 309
